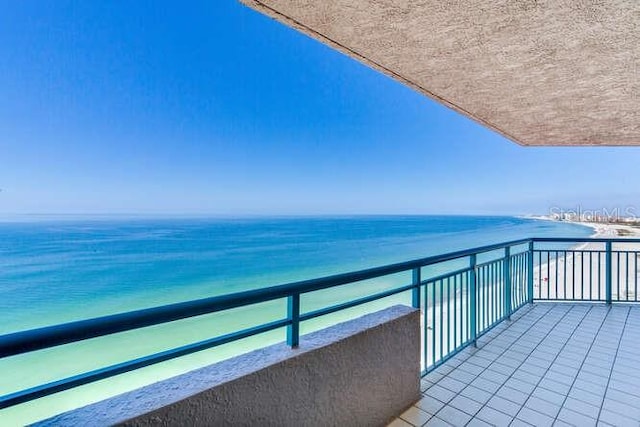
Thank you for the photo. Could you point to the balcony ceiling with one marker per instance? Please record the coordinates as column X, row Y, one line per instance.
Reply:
column 539, row 72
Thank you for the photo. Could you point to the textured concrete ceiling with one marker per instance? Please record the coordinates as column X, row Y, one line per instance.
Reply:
column 540, row 72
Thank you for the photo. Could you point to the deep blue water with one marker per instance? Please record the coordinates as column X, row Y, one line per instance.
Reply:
column 59, row 271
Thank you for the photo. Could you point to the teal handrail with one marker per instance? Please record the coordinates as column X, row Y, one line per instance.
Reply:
column 459, row 306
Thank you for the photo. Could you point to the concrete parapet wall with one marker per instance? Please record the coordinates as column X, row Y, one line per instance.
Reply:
column 362, row 372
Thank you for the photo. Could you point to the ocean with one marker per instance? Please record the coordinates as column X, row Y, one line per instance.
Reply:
column 60, row 270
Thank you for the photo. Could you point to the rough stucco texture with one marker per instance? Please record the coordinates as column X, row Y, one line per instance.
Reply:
column 362, row 372
column 540, row 72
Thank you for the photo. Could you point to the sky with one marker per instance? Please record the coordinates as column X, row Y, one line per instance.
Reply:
column 209, row 108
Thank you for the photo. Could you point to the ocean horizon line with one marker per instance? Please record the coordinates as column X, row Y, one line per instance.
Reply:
column 37, row 217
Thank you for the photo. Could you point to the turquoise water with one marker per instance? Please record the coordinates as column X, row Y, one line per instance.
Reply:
column 60, row 271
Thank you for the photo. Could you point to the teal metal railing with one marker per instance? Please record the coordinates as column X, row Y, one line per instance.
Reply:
column 592, row 270
column 479, row 288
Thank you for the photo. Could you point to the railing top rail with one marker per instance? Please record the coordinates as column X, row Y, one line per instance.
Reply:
column 37, row 339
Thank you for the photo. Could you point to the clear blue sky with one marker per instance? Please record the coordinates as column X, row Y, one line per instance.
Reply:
column 208, row 107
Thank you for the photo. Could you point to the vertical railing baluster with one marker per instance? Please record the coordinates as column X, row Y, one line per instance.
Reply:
column 573, row 274
column 549, row 273
column 426, row 326
column 518, row 286
column 507, row 282
column 618, row 276
column 599, row 276
column 607, row 266
column 433, row 323
column 522, row 279
column 557, row 272
column 484, row 291
column 590, row 276
column 540, row 273
column 293, row 314
column 448, row 314
column 472, row 300
column 516, row 281
column 581, row 275
column 564, row 280
column 455, row 312
column 530, row 272
column 626, row 281
column 525, row 278
column 415, row 292
column 635, row 276
column 498, row 292
column 496, row 280
column 416, row 303
column 467, row 311
column 491, row 295
column 441, row 281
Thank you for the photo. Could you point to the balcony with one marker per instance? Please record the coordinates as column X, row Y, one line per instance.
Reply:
column 553, row 364
column 538, row 331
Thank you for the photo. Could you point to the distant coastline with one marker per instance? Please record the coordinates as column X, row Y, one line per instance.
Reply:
column 614, row 227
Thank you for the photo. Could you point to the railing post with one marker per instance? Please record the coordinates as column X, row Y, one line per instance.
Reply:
column 473, row 329
column 530, row 272
column 293, row 314
column 415, row 292
column 507, row 282
column 608, row 272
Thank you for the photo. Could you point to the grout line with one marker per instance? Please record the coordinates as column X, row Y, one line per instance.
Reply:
column 543, row 315
column 506, row 323
column 538, row 319
column 548, row 307
column 566, row 343
column 614, row 361
column 572, row 307
column 552, row 361
column 595, row 337
column 520, row 316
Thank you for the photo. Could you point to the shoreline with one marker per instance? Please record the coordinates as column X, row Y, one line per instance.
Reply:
column 611, row 230
column 600, row 229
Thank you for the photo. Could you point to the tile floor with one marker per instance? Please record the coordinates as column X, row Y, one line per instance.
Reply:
column 553, row 364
